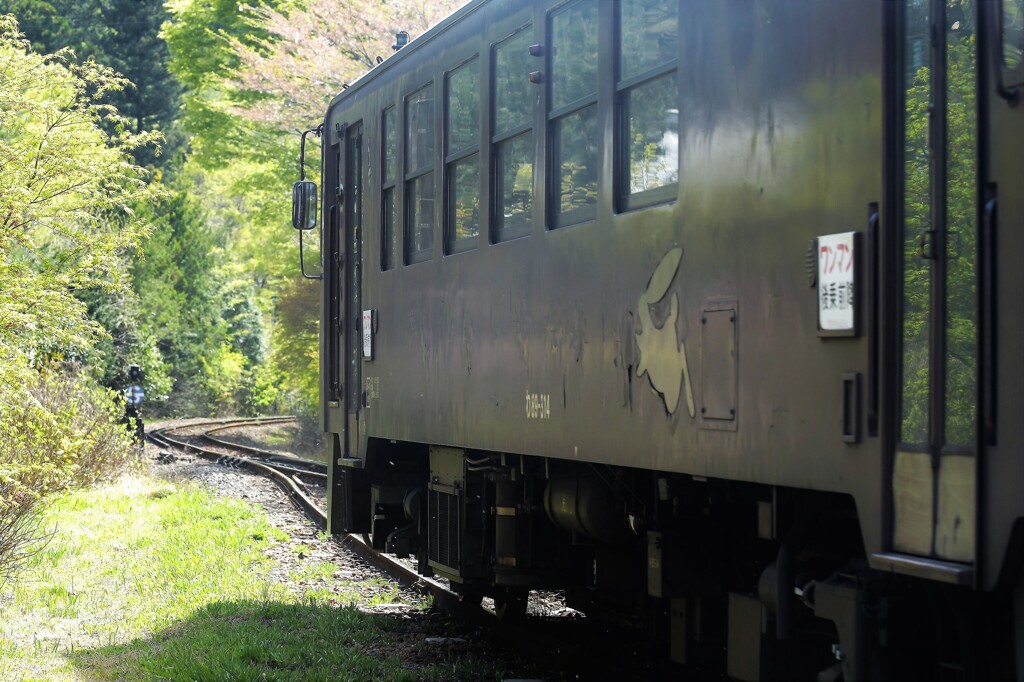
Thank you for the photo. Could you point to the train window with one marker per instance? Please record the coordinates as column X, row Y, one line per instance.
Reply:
column 512, row 140
column 649, row 35
column 648, row 148
column 389, row 172
column 961, row 172
column 1013, row 33
column 462, row 159
column 573, row 115
column 419, row 175
column 463, row 107
column 917, row 220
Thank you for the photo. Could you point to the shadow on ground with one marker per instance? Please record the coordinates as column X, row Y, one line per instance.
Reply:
column 274, row 641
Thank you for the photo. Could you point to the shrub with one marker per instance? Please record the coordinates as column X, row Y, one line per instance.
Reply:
column 57, row 432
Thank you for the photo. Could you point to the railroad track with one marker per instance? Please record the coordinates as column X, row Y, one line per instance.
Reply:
column 305, row 482
column 301, row 479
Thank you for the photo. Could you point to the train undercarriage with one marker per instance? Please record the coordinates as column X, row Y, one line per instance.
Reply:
column 770, row 582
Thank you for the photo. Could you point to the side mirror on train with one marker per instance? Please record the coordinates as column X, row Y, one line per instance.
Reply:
column 304, row 205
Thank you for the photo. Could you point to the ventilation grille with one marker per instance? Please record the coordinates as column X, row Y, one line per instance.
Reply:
column 445, row 523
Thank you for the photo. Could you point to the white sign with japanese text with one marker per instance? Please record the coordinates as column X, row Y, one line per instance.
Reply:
column 368, row 334
column 835, row 282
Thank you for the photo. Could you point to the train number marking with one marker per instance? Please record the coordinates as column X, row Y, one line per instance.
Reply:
column 538, row 406
column 372, row 385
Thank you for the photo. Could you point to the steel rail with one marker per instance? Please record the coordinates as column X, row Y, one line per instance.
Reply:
column 524, row 636
column 396, row 569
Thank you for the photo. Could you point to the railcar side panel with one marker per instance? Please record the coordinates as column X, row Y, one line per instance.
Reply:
column 731, row 280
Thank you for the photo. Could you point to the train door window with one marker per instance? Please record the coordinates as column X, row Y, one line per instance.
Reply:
column 916, row 221
column 573, row 114
column 933, row 476
column 1013, row 33
column 389, row 173
column 960, row 207
column 419, row 175
column 512, row 137
column 353, row 182
column 462, row 157
column 648, row 96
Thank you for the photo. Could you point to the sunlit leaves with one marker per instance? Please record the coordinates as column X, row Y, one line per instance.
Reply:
column 66, row 191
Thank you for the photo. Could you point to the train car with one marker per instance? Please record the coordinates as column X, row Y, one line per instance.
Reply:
column 707, row 313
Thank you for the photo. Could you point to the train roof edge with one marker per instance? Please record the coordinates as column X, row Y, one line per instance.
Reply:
column 403, row 54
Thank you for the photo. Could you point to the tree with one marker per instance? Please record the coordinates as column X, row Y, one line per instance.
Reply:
column 309, row 53
column 66, row 191
column 256, row 77
column 130, row 43
column 45, row 24
column 121, row 34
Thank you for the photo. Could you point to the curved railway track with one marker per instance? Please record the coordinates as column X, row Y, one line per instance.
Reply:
column 305, row 481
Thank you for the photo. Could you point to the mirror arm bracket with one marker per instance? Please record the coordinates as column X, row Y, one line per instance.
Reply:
column 318, row 132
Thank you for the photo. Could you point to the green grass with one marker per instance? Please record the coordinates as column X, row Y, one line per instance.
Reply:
column 149, row 580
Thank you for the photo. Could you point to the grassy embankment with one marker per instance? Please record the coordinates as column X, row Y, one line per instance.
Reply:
column 147, row 579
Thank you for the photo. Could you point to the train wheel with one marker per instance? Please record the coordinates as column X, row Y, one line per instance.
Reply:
column 510, row 605
column 468, row 596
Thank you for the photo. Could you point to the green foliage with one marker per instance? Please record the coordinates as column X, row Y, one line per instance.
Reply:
column 199, row 37
column 124, row 35
column 66, row 192
column 149, row 580
column 179, row 294
column 127, row 341
column 45, row 23
column 57, row 432
column 295, row 345
column 264, row 394
column 960, row 173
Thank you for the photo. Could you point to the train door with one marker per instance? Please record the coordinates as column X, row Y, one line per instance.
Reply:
column 352, row 175
column 937, row 209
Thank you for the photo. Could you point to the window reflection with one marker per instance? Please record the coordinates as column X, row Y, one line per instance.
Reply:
column 917, row 223
column 512, row 137
column 652, row 134
column 462, row 222
column 389, row 239
column 1013, row 33
column 961, row 232
column 389, row 176
column 514, row 186
column 463, row 107
column 576, row 161
column 464, row 217
column 419, row 175
column 574, row 148
column 649, row 35
column 574, row 53
column 513, row 95
column 419, row 121
column 647, row 146
column 390, row 144
column 420, row 237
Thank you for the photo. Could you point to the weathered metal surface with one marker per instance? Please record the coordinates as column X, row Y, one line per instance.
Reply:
column 584, row 342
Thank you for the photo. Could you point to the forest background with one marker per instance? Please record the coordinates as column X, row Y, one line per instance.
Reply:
column 147, row 150
column 203, row 292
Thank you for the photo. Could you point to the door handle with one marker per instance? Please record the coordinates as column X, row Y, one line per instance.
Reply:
column 988, row 316
column 926, row 244
column 873, row 318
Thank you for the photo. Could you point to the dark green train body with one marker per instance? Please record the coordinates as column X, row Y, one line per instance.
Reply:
column 693, row 309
